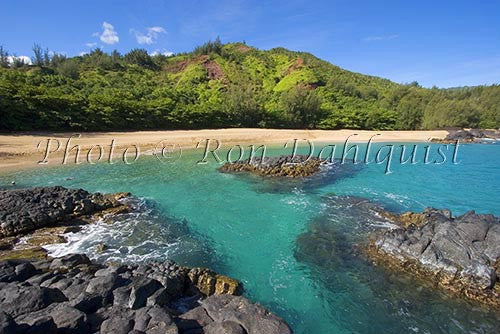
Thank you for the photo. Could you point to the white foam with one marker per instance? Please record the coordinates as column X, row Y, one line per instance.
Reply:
column 136, row 236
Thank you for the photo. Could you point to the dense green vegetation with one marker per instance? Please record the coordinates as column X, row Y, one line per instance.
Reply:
column 216, row 85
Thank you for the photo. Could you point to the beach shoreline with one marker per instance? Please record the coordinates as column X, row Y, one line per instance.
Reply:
column 23, row 150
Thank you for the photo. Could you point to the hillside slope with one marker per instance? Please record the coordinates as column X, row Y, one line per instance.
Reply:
column 231, row 85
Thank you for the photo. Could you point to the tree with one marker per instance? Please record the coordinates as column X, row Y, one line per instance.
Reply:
column 140, row 57
column 56, row 60
column 450, row 113
column 380, row 119
column 242, row 104
column 41, row 57
column 69, row 68
column 17, row 62
column 98, row 59
column 209, row 47
column 4, row 57
column 46, row 57
column 37, row 58
column 410, row 111
column 302, row 107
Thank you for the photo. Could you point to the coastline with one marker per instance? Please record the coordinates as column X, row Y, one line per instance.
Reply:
column 326, row 262
column 74, row 294
column 19, row 150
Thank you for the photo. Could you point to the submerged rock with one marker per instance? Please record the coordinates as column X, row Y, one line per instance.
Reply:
column 75, row 295
column 327, row 241
column 460, row 254
column 284, row 165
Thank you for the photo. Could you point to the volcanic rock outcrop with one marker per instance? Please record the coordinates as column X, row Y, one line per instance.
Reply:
column 284, row 165
column 461, row 254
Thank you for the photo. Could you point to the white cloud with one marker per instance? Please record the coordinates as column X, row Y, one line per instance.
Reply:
column 90, row 45
column 151, row 35
column 108, row 35
column 380, row 38
column 25, row 59
column 162, row 52
column 83, row 53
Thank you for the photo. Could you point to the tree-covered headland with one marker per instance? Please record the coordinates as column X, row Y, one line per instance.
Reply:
column 223, row 85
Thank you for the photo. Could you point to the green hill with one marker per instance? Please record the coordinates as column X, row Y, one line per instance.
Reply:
column 231, row 85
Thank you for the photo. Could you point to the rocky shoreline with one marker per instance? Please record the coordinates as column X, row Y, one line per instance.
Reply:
column 285, row 166
column 460, row 254
column 31, row 218
column 470, row 136
column 73, row 294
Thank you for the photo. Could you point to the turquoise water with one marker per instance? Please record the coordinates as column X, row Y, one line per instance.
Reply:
column 259, row 231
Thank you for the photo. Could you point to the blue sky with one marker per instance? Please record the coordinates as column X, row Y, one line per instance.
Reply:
column 443, row 43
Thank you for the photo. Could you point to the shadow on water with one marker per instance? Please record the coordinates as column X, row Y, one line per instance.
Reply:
column 358, row 292
column 329, row 174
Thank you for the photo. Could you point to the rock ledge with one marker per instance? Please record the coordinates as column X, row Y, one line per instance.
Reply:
column 75, row 295
column 460, row 254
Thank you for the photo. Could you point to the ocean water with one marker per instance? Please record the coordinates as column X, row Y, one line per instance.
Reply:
column 295, row 244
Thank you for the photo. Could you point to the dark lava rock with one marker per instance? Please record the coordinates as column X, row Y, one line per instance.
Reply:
column 142, row 289
column 225, row 327
column 7, row 324
column 461, row 254
column 13, row 270
column 69, row 320
column 470, row 135
column 232, row 315
column 117, row 323
column 252, row 317
column 285, row 165
column 18, row 299
column 75, row 295
column 85, row 302
column 42, row 324
column 462, row 135
column 70, row 261
column 25, row 210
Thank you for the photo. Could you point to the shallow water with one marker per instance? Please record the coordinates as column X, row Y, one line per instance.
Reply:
column 257, row 230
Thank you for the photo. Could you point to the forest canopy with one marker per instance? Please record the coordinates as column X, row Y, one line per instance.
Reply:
column 222, row 85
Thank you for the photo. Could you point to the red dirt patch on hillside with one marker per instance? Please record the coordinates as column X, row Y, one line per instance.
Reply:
column 181, row 65
column 312, row 86
column 299, row 63
column 308, row 86
column 177, row 67
column 213, row 69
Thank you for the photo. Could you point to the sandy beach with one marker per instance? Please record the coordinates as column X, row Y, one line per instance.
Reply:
column 24, row 150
